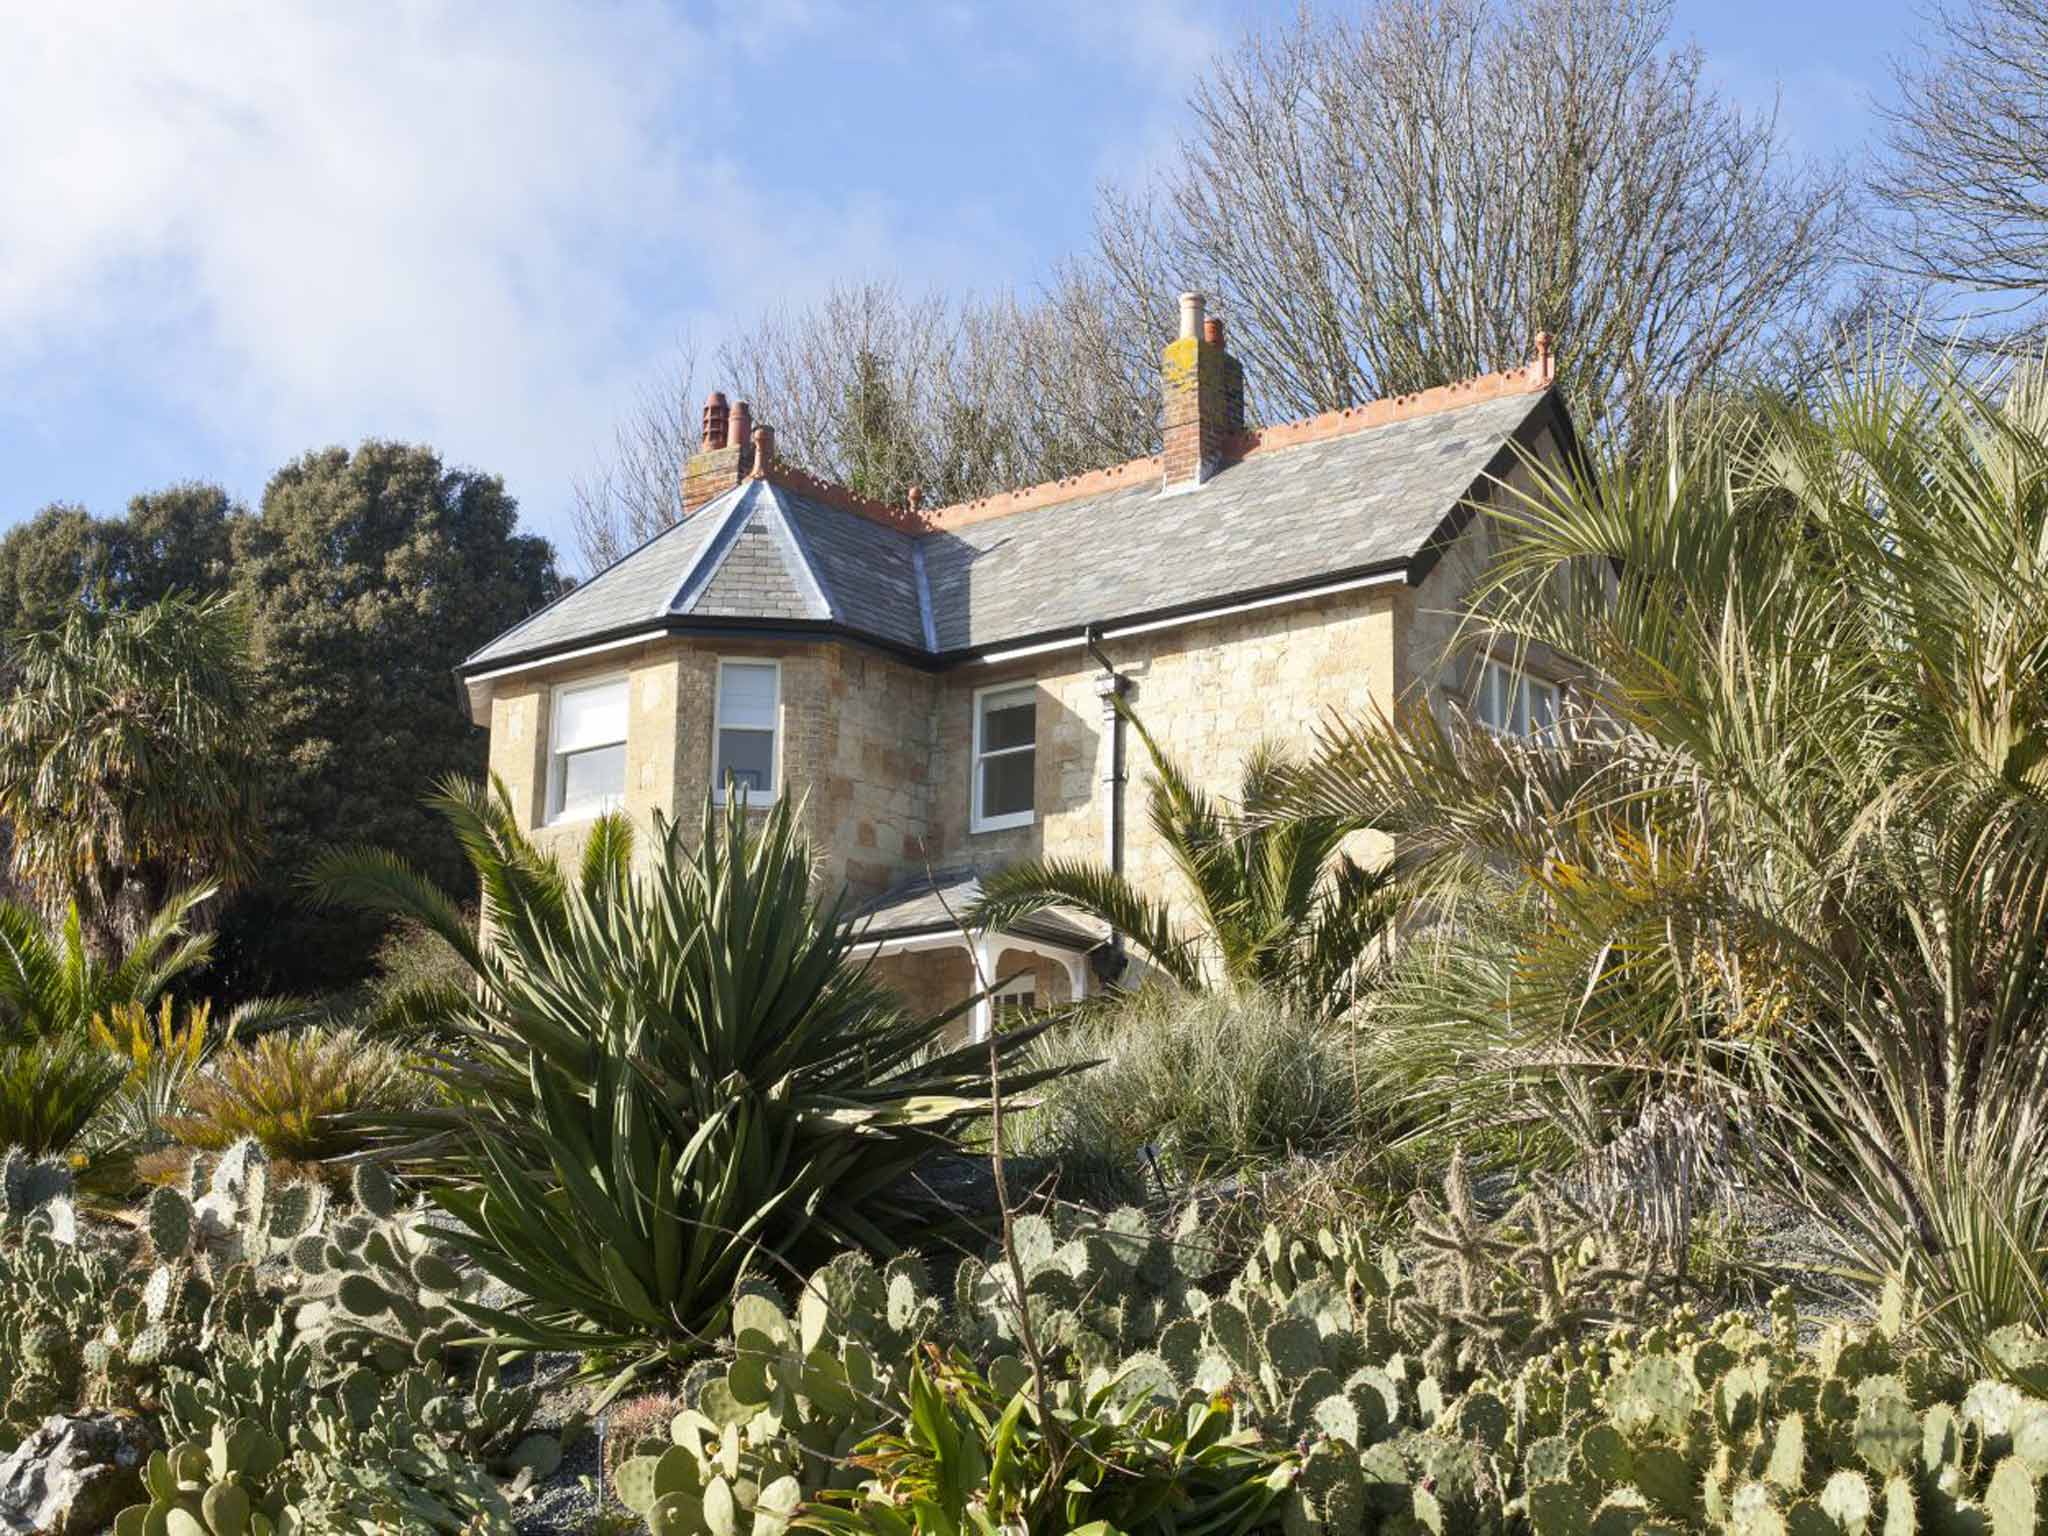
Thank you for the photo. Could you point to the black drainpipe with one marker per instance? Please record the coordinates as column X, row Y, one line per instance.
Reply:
column 1110, row 960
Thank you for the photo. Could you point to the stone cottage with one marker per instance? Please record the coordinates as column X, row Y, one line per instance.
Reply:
column 937, row 683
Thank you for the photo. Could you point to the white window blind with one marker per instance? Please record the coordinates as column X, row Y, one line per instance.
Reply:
column 587, row 766
column 749, row 695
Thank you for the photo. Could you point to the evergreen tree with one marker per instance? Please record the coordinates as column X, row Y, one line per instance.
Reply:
column 367, row 576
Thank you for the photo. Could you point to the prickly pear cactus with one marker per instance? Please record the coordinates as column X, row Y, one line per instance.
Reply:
column 38, row 1188
column 226, row 1485
column 378, row 1287
column 55, row 1293
column 778, row 1421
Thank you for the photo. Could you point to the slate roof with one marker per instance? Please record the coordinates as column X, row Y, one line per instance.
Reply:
column 921, row 905
column 768, row 555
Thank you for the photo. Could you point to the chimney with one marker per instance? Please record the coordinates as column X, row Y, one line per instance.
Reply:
column 723, row 453
column 1204, row 389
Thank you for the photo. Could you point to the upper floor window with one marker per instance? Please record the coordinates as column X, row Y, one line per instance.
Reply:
column 749, row 709
column 587, row 751
column 1514, row 703
column 1005, row 755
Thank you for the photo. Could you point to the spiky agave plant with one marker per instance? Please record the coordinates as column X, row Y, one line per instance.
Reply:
column 1794, row 852
column 666, row 1078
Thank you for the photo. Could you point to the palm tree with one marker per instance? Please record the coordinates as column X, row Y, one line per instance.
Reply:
column 1272, row 903
column 1791, row 856
column 128, row 762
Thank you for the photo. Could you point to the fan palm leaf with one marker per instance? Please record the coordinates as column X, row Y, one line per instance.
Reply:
column 1790, row 847
column 1272, row 901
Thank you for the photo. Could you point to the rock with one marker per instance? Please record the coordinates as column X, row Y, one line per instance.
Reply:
column 71, row 1476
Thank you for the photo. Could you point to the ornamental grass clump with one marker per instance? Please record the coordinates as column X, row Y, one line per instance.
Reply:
column 666, row 1078
column 1213, row 1083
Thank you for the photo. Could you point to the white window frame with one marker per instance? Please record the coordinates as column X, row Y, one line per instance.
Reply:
column 976, row 821
column 774, row 791
column 1524, row 684
column 557, row 813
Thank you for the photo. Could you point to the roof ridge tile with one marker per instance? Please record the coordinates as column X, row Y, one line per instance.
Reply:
column 1534, row 376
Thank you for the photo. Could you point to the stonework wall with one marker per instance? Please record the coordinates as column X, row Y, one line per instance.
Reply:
column 1209, row 694
column 930, row 981
column 882, row 750
column 854, row 743
column 1442, row 644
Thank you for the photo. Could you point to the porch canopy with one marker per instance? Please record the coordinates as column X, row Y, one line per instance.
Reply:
column 929, row 911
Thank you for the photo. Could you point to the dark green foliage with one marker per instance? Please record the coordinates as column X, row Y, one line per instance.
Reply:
column 368, row 576
column 173, row 540
column 668, row 1080
column 51, row 1089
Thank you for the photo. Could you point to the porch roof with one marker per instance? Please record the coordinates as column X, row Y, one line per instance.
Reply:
column 934, row 903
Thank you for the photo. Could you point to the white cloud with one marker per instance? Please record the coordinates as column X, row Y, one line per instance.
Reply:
column 275, row 226
column 424, row 220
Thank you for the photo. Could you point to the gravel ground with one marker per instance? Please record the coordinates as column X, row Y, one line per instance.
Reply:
column 564, row 1504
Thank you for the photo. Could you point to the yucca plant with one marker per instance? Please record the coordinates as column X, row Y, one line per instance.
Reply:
column 666, row 1079
column 1791, row 856
column 1273, row 904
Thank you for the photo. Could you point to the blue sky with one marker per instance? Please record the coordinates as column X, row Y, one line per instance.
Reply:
column 232, row 232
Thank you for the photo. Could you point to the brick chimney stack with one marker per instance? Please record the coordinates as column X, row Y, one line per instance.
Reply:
column 1204, row 390
column 724, row 452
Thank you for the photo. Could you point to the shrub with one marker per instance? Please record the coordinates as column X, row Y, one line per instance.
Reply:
column 296, row 1093
column 1217, row 1083
column 669, row 1079
column 50, row 1090
column 420, row 978
column 161, row 1055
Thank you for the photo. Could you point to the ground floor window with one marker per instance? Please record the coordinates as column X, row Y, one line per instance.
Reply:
column 1514, row 703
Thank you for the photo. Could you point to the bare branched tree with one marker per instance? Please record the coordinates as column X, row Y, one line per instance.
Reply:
column 1966, row 168
column 636, row 491
column 882, row 390
column 1387, row 204
column 1377, row 206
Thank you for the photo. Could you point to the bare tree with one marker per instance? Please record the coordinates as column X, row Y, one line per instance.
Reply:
column 880, row 390
column 636, row 491
column 1391, row 203
column 1966, row 169
column 1377, row 206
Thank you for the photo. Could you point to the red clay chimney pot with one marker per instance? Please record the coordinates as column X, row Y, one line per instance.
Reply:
column 716, row 418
